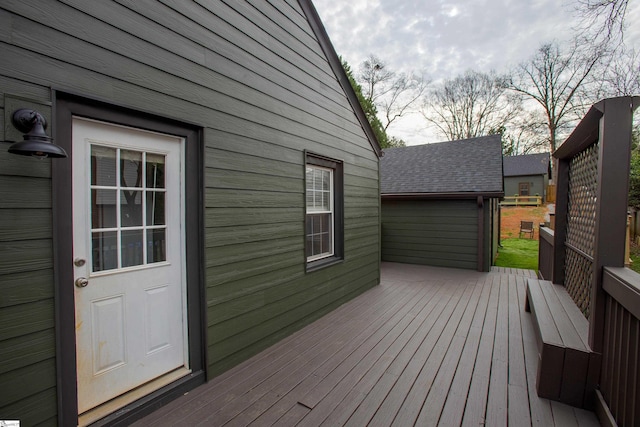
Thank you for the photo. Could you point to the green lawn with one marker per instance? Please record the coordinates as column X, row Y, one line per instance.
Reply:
column 518, row 253
column 635, row 258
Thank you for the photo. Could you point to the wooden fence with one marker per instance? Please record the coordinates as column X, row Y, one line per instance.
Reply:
column 551, row 193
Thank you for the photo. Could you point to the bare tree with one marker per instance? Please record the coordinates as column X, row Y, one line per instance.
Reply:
column 375, row 78
column 622, row 76
column 555, row 79
column 403, row 96
column 394, row 95
column 604, row 19
column 470, row 105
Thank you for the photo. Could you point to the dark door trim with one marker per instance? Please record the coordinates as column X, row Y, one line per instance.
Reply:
column 65, row 107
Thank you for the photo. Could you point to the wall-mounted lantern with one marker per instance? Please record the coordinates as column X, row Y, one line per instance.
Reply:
column 36, row 142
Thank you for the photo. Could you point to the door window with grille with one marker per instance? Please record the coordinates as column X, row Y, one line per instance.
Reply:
column 128, row 226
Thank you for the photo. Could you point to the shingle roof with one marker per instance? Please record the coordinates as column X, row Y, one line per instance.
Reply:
column 465, row 166
column 528, row 164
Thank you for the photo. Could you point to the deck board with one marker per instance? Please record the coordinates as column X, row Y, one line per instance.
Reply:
column 429, row 346
column 415, row 400
column 443, row 384
column 401, row 351
column 475, row 410
column 518, row 394
column 498, row 385
column 386, row 413
column 451, row 414
column 296, row 378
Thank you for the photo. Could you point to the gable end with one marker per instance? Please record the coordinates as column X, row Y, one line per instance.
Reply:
column 334, row 61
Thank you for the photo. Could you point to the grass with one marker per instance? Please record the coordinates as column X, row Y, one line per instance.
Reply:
column 635, row 257
column 518, row 253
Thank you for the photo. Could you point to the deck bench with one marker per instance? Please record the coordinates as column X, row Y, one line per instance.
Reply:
column 568, row 369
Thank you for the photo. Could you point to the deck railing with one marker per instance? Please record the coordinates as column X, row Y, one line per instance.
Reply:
column 589, row 249
column 521, row 201
column 619, row 379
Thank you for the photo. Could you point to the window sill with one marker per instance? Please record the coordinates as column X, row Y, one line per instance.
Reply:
column 323, row 263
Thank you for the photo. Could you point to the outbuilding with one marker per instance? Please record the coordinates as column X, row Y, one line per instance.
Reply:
column 527, row 175
column 440, row 203
column 213, row 188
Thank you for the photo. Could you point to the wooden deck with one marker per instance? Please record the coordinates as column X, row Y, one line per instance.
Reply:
column 429, row 346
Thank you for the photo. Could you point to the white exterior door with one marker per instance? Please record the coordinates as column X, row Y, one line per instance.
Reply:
column 128, row 246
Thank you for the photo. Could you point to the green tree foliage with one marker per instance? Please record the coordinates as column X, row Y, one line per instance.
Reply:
column 371, row 112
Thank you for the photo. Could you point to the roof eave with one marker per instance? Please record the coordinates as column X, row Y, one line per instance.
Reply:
column 423, row 196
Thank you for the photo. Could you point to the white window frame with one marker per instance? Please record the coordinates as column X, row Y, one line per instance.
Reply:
column 315, row 211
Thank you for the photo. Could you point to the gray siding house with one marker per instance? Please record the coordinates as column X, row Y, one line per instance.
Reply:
column 440, row 203
column 221, row 191
column 527, row 175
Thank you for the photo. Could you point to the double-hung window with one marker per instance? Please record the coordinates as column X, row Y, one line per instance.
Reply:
column 323, row 221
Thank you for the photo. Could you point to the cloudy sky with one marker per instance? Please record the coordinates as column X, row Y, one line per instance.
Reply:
column 445, row 38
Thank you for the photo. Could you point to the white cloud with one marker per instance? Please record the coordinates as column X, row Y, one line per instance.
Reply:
column 450, row 11
column 445, row 38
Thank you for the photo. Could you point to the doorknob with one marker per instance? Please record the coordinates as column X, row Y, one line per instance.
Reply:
column 81, row 282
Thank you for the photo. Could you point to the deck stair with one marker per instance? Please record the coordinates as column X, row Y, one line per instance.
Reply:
column 568, row 369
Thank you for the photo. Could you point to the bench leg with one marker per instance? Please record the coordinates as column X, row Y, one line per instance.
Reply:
column 550, row 367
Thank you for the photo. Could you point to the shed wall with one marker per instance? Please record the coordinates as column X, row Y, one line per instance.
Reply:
column 432, row 232
column 254, row 77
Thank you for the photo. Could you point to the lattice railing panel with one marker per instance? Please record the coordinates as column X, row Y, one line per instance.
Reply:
column 581, row 225
column 577, row 279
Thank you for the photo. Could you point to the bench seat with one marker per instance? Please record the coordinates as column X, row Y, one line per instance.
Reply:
column 568, row 369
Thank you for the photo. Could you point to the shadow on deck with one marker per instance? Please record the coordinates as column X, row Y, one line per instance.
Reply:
column 429, row 346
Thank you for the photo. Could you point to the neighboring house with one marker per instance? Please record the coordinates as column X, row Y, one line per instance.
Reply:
column 220, row 192
column 440, row 203
column 527, row 175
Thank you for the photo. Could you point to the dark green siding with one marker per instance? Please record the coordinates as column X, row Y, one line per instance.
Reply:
column 27, row 335
column 432, row 232
column 254, row 77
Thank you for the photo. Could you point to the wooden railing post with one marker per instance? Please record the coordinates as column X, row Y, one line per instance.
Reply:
column 560, row 225
column 611, row 206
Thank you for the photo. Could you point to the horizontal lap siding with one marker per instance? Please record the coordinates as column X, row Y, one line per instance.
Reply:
column 431, row 232
column 252, row 75
column 27, row 335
